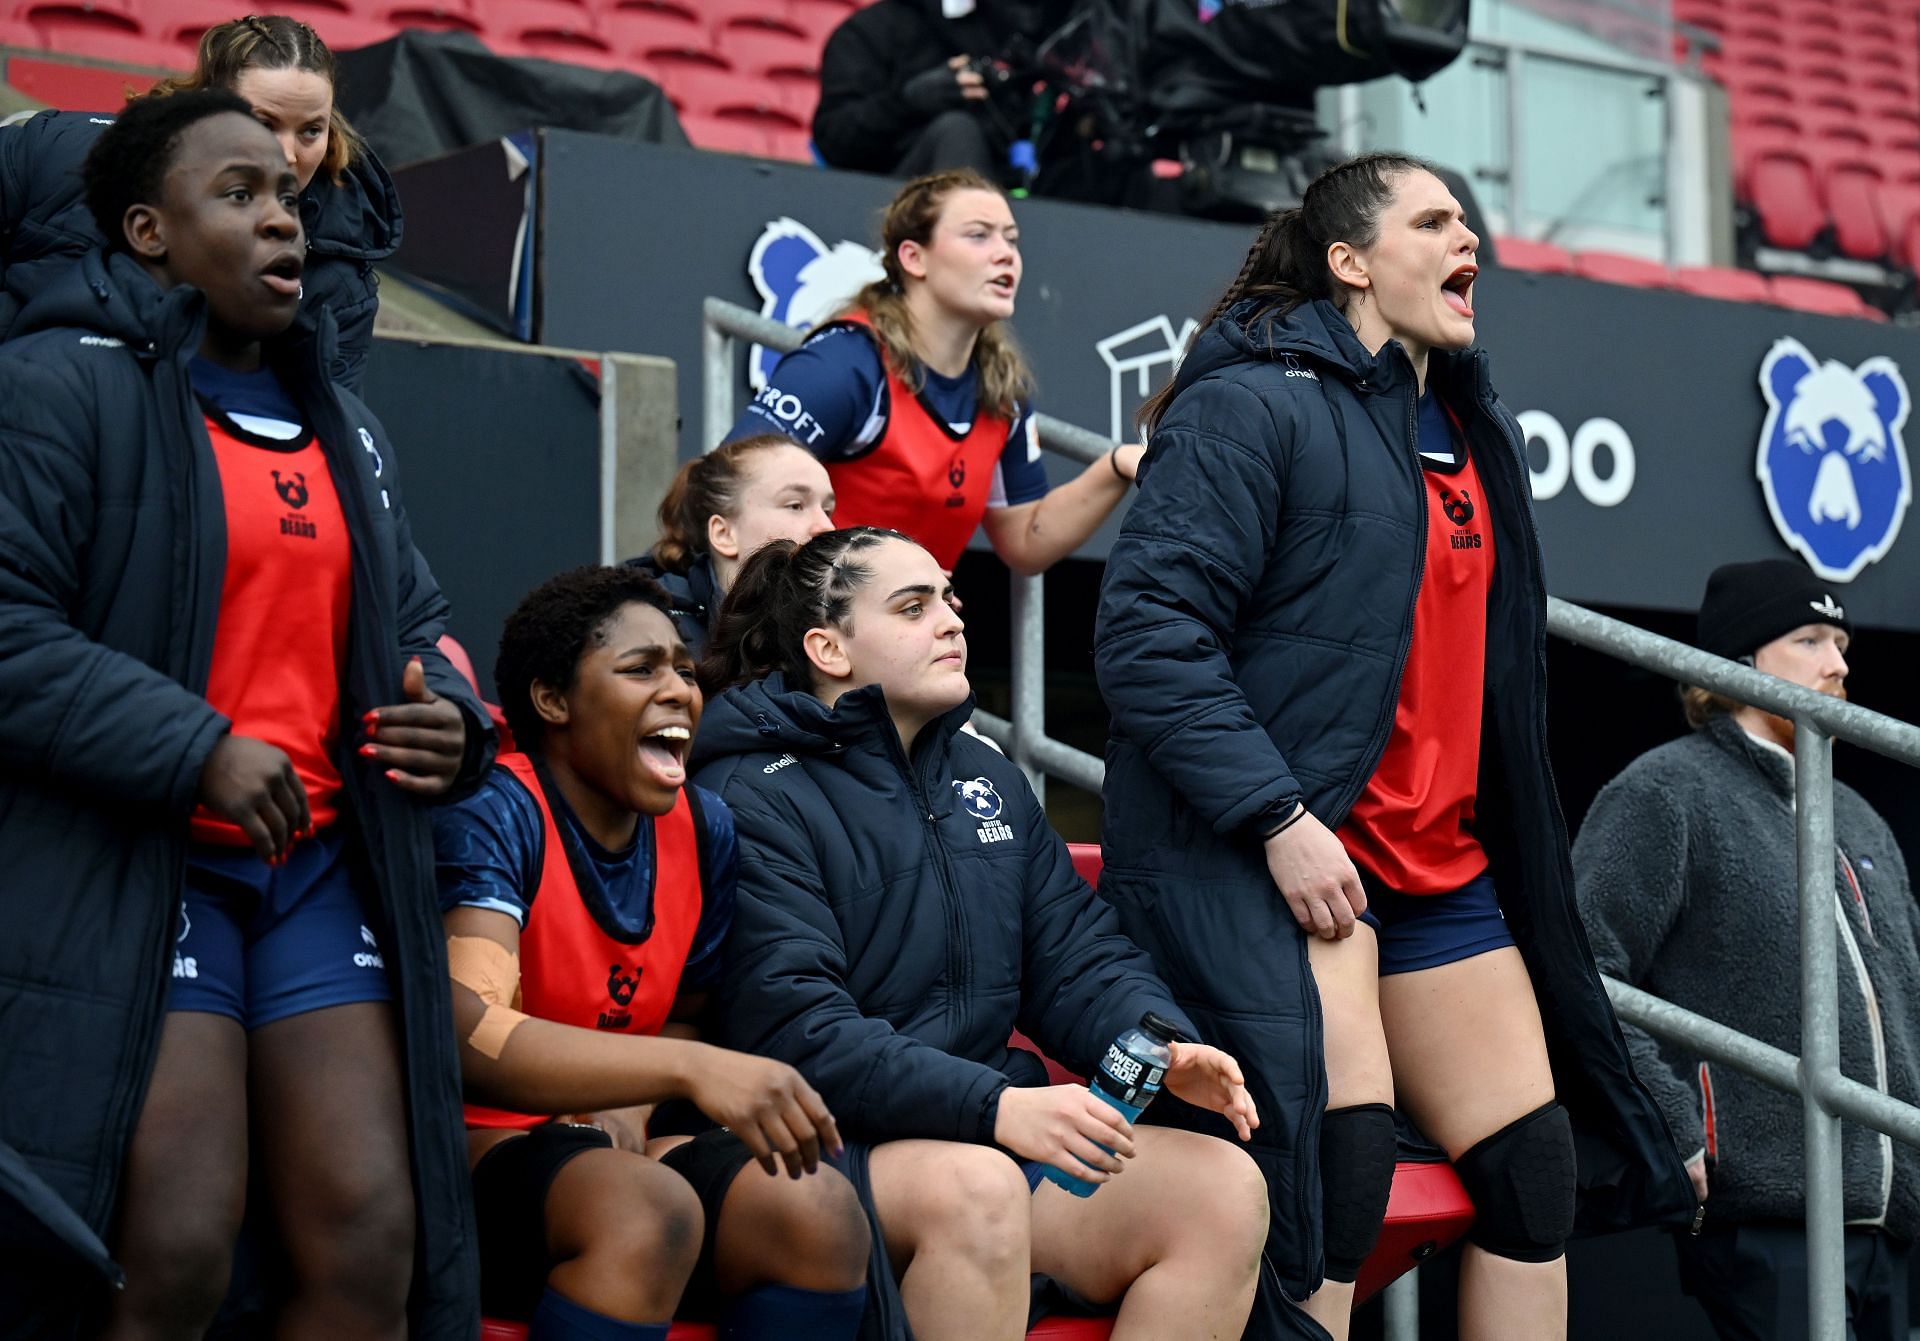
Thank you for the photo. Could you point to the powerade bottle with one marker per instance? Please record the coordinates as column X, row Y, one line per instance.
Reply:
column 1129, row 1076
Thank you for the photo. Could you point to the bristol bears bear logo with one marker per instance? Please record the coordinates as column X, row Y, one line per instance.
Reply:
column 1832, row 462
column 802, row 281
column 979, row 797
column 292, row 492
column 1459, row 510
column 621, row 987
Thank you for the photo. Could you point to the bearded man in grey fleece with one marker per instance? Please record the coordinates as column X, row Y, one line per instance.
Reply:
column 1686, row 880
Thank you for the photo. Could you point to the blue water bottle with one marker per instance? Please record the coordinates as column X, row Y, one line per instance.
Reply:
column 1129, row 1076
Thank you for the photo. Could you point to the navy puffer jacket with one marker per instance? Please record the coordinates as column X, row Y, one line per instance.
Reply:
column 112, row 554
column 45, row 226
column 1253, row 623
column 899, row 917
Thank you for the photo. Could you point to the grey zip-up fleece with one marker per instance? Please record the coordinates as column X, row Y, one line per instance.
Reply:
column 1685, row 876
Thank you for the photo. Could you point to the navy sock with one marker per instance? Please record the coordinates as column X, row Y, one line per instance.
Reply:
column 792, row 1314
column 560, row 1319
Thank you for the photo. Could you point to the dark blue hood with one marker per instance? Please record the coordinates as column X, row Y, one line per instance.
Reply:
column 766, row 715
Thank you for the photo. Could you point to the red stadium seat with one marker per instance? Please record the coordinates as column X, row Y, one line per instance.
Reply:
column 1543, row 257
column 1818, row 295
column 767, row 15
column 1712, row 281
column 17, row 33
column 794, row 146
column 1613, row 268
column 441, row 16
column 1774, row 174
column 764, row 52
column 724, row 95
column 724, row 136
column 1900, row 215
column 692, row 59
column 109, row 30
column 74, row 87
column 635, row 30
column 552, row 30
column 1850, row 183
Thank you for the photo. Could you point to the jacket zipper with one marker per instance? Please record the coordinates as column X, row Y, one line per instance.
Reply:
column 1383, row 724
column 950, row 892
column 1878, row 1033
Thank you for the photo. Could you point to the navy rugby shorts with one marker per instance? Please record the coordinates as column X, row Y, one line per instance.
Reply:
column 259, row 943
column 1423, row 931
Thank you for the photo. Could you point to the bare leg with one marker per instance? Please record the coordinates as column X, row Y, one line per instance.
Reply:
column 957, row 1227
column 810, row 1234
column 185, row 1188
column 332, row 1127
column 1347, row 974
column 624, row 1231
column 1470, row 1058
column 1176, row 1238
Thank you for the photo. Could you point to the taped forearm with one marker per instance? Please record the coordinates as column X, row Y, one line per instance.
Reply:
column 492, row 973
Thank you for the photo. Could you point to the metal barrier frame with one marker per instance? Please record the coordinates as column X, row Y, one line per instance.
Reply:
column 1827, row 1096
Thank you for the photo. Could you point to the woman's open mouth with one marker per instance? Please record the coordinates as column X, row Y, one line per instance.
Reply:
column 1457, row 290
column 664, row 753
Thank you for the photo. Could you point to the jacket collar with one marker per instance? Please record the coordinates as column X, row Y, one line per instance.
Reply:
column 767, row 715
column 358, row 219
column 112, row 294
column 1773, row 764
column 1253, row 329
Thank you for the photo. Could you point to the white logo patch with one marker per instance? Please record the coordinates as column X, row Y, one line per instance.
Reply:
column 779, row 764
column 1139, row 359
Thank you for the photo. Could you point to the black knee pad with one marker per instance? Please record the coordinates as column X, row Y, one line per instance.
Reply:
column 1521, row 1180
column 1357, row 1149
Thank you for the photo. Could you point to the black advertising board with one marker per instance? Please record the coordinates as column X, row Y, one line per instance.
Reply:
column 1645, row 410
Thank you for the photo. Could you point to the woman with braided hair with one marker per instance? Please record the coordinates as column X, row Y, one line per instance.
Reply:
column 1329, row 811
column 902, row 905
column 348, row 206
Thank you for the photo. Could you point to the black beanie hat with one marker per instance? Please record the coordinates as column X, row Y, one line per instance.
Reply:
column 1748, row 605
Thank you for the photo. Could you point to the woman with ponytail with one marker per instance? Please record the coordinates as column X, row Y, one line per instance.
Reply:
column 348, row 204
column 920, row 405
column 1329, row 811
column 902, row 906
column 720, row 508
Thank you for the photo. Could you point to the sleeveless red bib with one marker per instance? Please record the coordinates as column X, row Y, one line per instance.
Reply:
column 572, row 970
column 920, row 479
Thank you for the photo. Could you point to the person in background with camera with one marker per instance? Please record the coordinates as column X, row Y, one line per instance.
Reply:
column 905, row 90
column 1686, row 877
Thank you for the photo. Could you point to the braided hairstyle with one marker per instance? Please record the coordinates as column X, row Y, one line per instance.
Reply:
column 783, row 591
column 269, row 42
column 1287, row 264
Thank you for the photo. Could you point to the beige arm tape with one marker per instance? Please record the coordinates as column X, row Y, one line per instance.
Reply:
column 491, row 972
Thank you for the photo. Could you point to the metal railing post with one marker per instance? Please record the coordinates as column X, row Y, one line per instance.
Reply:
column 1400, row 1302
column 1029, row 677
column 1819, row 1032
column 716, row 371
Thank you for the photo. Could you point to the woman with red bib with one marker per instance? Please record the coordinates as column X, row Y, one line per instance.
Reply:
column 918, row 402
column 587, row 890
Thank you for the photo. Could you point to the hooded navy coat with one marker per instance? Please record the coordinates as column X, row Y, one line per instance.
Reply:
column 898, row 917
column 45, row 226
column 112, row 555
column 1253, row 623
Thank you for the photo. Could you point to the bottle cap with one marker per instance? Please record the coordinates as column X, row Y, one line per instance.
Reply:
column 1160, row 1028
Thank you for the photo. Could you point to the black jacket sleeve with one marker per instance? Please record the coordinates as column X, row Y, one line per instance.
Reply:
column 72, row 709
column 1190, row 554
column 785, row 995
column 422, row 616
column 1083, row 982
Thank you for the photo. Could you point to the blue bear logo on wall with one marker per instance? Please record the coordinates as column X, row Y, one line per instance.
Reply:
column 1832, row 463
column 802, row 281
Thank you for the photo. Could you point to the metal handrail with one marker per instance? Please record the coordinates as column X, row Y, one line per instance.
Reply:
column 1826, row 1094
